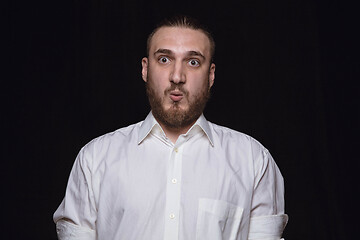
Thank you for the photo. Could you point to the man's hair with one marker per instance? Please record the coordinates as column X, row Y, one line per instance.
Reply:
column 183, row 21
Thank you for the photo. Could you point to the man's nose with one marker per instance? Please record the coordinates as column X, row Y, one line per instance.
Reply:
column 178, row 73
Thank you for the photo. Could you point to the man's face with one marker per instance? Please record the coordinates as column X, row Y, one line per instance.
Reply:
column 179, row 75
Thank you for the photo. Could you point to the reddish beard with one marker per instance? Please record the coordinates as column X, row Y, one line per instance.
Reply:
column 175, row 117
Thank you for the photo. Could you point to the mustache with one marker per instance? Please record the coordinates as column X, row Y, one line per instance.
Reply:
column 178, row 87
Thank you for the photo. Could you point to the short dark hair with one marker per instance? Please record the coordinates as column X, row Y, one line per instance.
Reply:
column 184, row 22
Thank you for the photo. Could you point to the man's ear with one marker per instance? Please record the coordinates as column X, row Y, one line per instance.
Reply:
column 212, row 74
column 144, row 63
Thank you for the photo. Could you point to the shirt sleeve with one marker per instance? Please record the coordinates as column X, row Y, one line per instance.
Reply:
column 69, row 231
column 76, row 216
column 267, row 218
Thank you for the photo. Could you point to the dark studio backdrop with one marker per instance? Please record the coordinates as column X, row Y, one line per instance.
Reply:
column 286, row 74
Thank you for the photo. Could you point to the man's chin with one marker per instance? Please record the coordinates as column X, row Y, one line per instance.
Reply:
column 176, row 107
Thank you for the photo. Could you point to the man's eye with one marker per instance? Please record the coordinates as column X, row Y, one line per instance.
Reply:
column 194, row 63
column 163, row 60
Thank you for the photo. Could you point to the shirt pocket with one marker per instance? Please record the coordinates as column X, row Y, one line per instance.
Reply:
column 217, row 220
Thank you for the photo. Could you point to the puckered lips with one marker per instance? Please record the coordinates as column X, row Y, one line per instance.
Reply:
column 176, row 95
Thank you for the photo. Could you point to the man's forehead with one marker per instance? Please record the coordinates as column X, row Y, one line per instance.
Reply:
column 180, row 38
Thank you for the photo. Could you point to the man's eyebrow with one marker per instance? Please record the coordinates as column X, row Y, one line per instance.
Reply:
column 163, row 51
column 195, row 53
column 188, row 53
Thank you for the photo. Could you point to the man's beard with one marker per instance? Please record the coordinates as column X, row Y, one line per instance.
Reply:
column 175, row 117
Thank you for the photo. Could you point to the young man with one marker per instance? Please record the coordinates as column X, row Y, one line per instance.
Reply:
column 174, row 175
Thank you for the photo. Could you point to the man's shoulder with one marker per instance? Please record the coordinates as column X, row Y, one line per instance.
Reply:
column 118, row 136
column 226, row 135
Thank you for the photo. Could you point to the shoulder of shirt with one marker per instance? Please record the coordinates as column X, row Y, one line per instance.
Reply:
column 226, row 135
column 120, row 135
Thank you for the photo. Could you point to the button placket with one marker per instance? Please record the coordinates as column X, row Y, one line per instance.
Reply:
column 173, row 194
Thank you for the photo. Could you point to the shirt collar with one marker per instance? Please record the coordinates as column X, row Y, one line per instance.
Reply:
column 150, row 122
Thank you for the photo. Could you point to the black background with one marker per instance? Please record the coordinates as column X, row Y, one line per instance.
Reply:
column 286, row 74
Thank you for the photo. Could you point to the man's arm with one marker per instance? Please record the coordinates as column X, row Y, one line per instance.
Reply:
column 267, row 220
column 76, row 216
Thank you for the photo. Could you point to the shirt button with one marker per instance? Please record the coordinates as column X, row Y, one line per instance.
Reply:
column 174, row 180
column 172, row 216
column 176, row 150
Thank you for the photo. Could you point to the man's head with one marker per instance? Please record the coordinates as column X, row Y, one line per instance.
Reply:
column 178, row 71
column 183, row 22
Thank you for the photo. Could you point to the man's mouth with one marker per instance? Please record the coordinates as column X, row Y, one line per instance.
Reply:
column 176, row 95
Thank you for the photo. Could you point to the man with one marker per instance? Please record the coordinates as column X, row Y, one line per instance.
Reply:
column 174, row 175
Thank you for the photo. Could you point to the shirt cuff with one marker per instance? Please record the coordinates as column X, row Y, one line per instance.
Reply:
column 68, row 231
column 268, row 227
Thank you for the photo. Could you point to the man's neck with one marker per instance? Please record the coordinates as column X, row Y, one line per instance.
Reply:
column 174, row 133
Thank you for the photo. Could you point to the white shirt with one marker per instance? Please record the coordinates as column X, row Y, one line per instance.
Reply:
column 134, row 183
